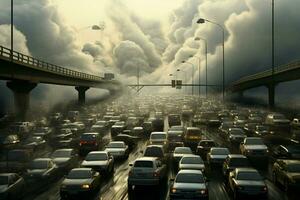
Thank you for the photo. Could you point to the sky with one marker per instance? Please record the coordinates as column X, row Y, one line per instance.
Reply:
column 154, row 36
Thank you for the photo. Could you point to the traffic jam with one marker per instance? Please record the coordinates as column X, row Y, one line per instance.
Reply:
column 152, row 147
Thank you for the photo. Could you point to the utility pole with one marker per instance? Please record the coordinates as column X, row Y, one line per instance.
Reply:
column 11, row 29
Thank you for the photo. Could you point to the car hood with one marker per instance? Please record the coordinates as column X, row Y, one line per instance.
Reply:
column 250, row 183
column 192, row 166
column 94, row 163
column 256, row 147
column 76, row 181
column 190, row 186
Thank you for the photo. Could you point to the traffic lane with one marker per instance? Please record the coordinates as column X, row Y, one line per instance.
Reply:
column 274, row 191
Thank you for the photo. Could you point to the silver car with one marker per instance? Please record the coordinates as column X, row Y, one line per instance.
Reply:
column 189, row 184
column 192, row 162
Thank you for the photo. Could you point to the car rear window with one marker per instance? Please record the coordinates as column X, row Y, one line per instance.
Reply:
column 79, row 174
column 239, row 162
column 189, row 178
column 144, row 164
column 158, row 136
column 154, row 152
column 88, row 137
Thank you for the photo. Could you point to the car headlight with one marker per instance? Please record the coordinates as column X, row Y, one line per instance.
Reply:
column 173, row 190
column 63, row 186
column 203, row 191
column 165, row 142
column 248, row 151
column 85, row 186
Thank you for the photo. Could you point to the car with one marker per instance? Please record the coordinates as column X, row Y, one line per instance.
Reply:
column 117, row 129
column 12, row 186
column 156, row 151
column 189, row 184
column 287, row 173
column 42, row 171
column 192, row 137
column 17, row 161
column 146, row 171
column 158, row 125
column 178, row 153
column 204, row 147
column 64, row 139
column 103, row 124
column 130, row 141
column 174, row 119
column 147, row 127
column 216, row 156
column 34, row 143
column 236, row 135
column 291, row 151
column 254, row 148
column 80, row 181
column 177, row 128
column 65, row 159
column 262, row 130
column 191, row 162
column 138, row 131
column 100, row 161
column 89, row 142
column 159, row 138
column 247, row 182
column 118, row 149
column 233, row 161
column 9, row 142
column 278, row 123
column 175, row 139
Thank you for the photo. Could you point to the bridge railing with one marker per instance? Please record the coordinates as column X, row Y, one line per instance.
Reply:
column 281, row 68
column 38, row 64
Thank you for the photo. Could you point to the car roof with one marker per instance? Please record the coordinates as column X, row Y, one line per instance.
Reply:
column 193, row 128
column 7, row 174
column 97, row 152
column 246, row 169
column 158, row 133
column 93, row 133
column 288, row 162
column 81, row 169
column 147, row 159
column 236, row 156
column 42, row 159
column 154, row 146
column 191, row 156
column 64, row 150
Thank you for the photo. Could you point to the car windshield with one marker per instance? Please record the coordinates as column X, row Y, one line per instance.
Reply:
column 239, row 162
column 254, row 141
column 88, row 136
column 192, row 160
column 183, row 150
column 158, row 136
column 220, row 151
column 3, row 180
column 96, row 157
column 145, row 164
column 116, row 145
column 189, row 178
column 61, row 154
column 294, row 168
column 41, row 164
column 79, row 174
column 249, row 176
column 153, row 152
column 207, row 143
column 193, row 132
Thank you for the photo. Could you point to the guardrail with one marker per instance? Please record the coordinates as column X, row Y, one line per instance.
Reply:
column 279, row 69
column 38, row 64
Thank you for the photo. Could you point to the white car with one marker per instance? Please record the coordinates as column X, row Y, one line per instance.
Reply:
column 217, row 155
column 253, row 147
column 117, row 149
column 192, row 162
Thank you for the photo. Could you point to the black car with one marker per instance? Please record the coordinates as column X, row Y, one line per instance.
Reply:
column 89, row 142
column 12, row 186
column 80, row 181
column 65, row 159
column 232, row 162
column 176, row 139
column 174, row 119
column 286, row 152
column 204, row 147
column 156, row 151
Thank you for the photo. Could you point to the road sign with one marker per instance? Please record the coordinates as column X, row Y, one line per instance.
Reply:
column 178, row 84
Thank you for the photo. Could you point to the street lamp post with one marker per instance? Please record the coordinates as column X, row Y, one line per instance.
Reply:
column 11, row 29
column 202, row 21
column 185, row 77
column 199, row 73
column 273, row 53
column 192, row 74
column 206, row 63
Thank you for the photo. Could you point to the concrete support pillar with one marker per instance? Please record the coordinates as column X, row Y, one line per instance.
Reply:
column 271, row 94
column 21, row 90
column 81, row 94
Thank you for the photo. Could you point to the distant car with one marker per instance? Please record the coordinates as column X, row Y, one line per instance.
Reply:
column 278, row 123
column 254, row 147
column 158, row 125
column 138, row 131
column 65, row 159
column 189, row 184
column 89, row 142
column 247, row 182
column 287, row 173
column 130, row 141
column 100, row 161
column 117, row 129
column 178, row 153
column 236, row 135
column 174, row 119
column 156, row 151
column 12, row 186
column 146, row 171
column 118, row 149
column 262, row 130
column 175, row 139
column 177, row 128
column 204, row 147
column 217, row 155
column 291, row 151
column 159, row 138
column 9, row 142
column 192, row 162
column 42, row 170
column 80, row 181
column 232, row 162
column 147, row 126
